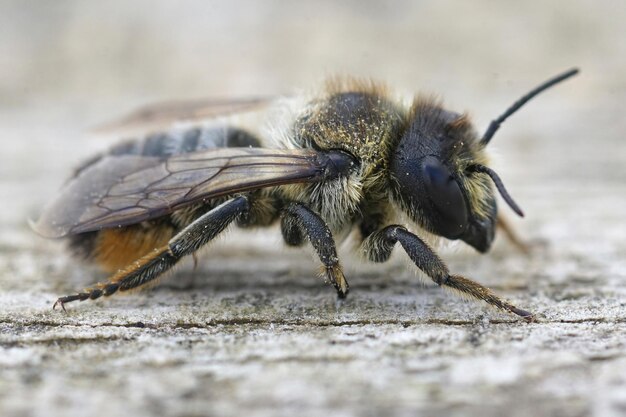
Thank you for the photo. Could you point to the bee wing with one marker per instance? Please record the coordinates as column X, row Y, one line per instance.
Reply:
column 127, row 189
column 161, row 115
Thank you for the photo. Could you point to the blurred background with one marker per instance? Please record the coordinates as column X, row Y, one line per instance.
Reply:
column 67, row 66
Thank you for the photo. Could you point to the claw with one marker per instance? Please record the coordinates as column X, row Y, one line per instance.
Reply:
column 68, row 299
column 335, row 276
column 59, row 302
column 526, row 315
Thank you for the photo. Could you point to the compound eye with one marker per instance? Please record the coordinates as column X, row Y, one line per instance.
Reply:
column 446, row 197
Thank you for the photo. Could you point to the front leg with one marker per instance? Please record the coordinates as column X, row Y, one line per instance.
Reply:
column 298, row 221
column 378, row 247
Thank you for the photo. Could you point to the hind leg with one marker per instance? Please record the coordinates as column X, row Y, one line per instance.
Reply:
column 151, row 266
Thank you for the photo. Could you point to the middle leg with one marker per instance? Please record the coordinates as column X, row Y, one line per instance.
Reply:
column 298, row 221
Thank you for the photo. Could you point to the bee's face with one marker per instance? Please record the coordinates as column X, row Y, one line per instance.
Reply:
column 432, row 166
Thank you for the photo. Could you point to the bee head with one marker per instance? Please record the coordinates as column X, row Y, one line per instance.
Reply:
column 441, row 179
column 440, row 174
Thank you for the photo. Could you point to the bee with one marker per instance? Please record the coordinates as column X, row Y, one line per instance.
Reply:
column 349, row 160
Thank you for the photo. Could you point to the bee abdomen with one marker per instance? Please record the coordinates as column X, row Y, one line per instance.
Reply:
column 185, row 141
column 179, row 141
column 113, row 249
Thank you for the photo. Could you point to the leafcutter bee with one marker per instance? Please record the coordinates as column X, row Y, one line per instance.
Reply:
column 351, row 159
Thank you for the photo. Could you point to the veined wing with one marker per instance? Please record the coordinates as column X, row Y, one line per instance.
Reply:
column 127, row 189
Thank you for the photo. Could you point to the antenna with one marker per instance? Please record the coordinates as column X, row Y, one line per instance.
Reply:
column 499, row 185
column 495, row 124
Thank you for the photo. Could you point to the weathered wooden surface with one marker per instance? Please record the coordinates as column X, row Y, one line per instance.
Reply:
column 252, row 331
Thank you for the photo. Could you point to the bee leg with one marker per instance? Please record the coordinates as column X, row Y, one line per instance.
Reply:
column 298, row 221
column 513, row 237
column 186, row 242
column 378, row 247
